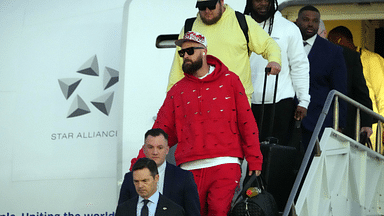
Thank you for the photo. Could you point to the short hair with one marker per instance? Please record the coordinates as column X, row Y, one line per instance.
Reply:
column 156, row 132
column 308, row 8
column 146, row 163
column 343, row 31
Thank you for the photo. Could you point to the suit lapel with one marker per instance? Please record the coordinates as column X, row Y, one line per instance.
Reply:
column 314, row 47
column 168, row 180
column 161, row 208
column 132, row 211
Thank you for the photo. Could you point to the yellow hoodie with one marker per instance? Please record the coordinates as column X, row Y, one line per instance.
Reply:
column 226, row 41
column 373, row 69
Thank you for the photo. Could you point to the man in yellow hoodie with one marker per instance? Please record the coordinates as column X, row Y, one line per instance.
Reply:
column 218, row 23
column 373, row 69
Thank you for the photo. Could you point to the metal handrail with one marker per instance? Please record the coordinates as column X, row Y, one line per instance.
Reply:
column 332, row 94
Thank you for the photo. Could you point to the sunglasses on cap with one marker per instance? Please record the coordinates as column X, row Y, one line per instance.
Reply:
column 202, row 8
column 189, row 51
column 202, row 5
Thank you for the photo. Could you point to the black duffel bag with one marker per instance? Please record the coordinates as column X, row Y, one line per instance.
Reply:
column 263, row 204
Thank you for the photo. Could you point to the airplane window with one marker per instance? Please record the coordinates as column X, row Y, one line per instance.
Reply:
column 166, row 41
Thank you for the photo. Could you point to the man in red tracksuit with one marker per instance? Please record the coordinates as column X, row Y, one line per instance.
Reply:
column 208, row 115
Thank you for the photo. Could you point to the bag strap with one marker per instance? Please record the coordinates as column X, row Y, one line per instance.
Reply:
column 249, row 183
column 260, row 184
column 188, row 24
column 243, row 25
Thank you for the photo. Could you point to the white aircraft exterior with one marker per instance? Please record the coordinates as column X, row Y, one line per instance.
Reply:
column 66, row 93
column 80, row 84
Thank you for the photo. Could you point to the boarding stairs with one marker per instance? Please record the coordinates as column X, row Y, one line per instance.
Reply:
column 345, row 178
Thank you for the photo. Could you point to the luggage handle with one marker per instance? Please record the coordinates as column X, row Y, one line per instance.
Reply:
column 258, row 179
column 260, row 184
column 267, row 70
column 364, row 139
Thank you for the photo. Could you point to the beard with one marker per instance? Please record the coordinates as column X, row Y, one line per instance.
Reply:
column 307, row 32
column 213, row 20
column 260, row 17
column 192, row 67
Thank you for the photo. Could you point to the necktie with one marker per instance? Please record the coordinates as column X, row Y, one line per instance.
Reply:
column 144, row 210
column 307, row 47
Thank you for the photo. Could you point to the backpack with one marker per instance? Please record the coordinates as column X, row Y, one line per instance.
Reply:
column 240, row 18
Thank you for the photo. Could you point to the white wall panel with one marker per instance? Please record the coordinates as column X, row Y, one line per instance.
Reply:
column 42, row 42
column 42, row 171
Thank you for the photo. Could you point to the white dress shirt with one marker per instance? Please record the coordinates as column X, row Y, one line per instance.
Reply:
column 310, row 41
column 160, row 183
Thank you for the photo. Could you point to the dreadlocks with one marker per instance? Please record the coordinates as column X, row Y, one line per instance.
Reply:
column 270, row 15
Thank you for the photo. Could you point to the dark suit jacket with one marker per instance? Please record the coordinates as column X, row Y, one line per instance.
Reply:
column 327, row 71
column 357, row 90
column 179, row 186
column 165, row 207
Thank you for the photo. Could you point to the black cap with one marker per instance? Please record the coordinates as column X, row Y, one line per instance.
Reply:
column 206, row 3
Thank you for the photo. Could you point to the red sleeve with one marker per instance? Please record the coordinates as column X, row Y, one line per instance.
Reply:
column 133, row 161
column 248, row 128
column 164, row 120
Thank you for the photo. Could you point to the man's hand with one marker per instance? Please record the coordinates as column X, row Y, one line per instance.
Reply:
column 258, row 172
column 275, row 68
column 300, row 113
column 368, row 130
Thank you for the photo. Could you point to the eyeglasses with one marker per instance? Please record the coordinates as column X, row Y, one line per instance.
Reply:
column 202, row 8
column 189, row 50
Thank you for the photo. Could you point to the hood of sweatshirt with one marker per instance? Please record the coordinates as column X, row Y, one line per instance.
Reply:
column 220, row 69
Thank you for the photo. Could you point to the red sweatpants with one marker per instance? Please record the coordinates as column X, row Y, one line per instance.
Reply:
column 216, row 186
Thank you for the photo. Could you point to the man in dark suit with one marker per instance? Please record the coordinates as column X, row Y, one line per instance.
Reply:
column 357, row 88
column 149, row 201
column 175, row 183
column 327, row 71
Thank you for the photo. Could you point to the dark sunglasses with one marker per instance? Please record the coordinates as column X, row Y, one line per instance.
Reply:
column 202, row 8
column 189, row 50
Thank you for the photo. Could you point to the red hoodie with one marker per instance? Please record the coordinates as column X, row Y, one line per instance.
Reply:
column 210, row 117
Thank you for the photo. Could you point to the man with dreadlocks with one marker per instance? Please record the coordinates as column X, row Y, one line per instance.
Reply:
column 293, row 79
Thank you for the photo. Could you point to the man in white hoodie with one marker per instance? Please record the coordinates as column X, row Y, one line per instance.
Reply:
column 293, row 79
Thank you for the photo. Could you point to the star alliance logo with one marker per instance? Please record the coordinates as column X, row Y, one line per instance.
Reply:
column 103, row 103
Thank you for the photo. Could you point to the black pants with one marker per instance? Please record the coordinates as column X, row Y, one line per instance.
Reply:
column 283, row 123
